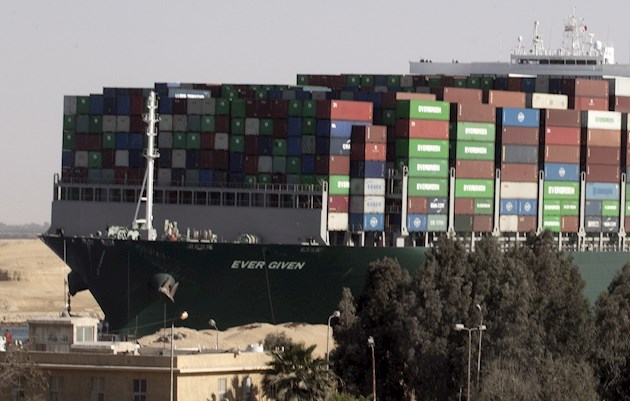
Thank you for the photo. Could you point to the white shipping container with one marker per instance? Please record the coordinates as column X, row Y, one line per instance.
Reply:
column 621, row 86
column 109, row 123
column 166, row 122
column 193, row 106
column 164, row 176
column 252, row 126
column 337, row 221
column 178, row 158
column 406, row 81
column 180, row 122
column 69, row 105
column 547, row 101
column 121, row 158
column 165, row 140
column 519, row 190
column 123, row 123
column 81, row 158
column 508, row 223
column 367, row 186
column 367, row 204
column 208, row 106
column 221, row 141
column 610, row 120
column 265, row 164
column 542, row 84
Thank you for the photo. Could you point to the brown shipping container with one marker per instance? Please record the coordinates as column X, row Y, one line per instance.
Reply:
column 585, row 87
column 338, row 203
column 519, row 136
column 627, row 222
column 416, row 205
column 422, row 129
column 369, row 134
column 321, row 165
column 602, row 173
column 506, row 98
column 569, row 224
column 346, row 110
column 368, row 151
column 526, row 223
column 622, row 103
column 562, row 118
column 562, row 154
column 562, row 136
column 603, row 137
column 601, row 155
column 464, row 206
column 476, row 113
column 482, row 223
column 250, row 164
column 588, row 103
column 519, row 172
column 339, row 165
column 207, row 141
column 480, row 169
column 459, row 95
column 415, row 96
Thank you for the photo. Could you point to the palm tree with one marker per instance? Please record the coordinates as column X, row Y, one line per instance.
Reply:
column 296, row 376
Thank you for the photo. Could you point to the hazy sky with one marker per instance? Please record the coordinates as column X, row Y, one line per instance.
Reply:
column 76, row 47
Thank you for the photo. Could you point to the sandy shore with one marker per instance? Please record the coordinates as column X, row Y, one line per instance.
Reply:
column 32, row 285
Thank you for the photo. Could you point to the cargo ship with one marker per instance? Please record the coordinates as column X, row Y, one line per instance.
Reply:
column 270, row 199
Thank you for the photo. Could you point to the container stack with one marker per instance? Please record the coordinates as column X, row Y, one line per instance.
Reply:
column 367, row 178
column 519, row 132
column 422, row 131
column 335, row 119
column 561, row 196
column 602, row 165
column 620, row 94
column 474, row 167
column 585, row 94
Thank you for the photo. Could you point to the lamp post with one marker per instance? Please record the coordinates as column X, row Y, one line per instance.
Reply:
column 479, row 352
column 371, row 345
column 212, row 323
column 460, row 327
column 183, row 316
column 335, row 314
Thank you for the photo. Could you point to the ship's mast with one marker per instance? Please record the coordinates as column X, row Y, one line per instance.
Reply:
column 151, row 153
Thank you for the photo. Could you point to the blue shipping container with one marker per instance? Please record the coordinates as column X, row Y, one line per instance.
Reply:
column 437, row 205
column 67, row 158
column 416, row 223
column 527, row 207
column 367, row 169
column 166, row 105
column 135, row 158
column 308, row 164
column 192, row 158
column 123, row 106
column 122, row 140
column 136, row 141
column 562, row 171
column 236, row 162
column 602, row 191
column 593, row 208
column 294, row 146
column 518, row 117
column 109, row 105
column 294, row 126
column 508, row 206
column 340, row 146
column 166, row 158
column 366, row 222
column 265, row 145
column 96, row 104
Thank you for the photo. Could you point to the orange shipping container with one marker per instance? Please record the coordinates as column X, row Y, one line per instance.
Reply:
column 422, row 129
column 519, row 172
column 479, row 169
column 506, row 98
column 562, row 136
column 416, row 205
column 519, row 136
column 588, row 103
column 603, row 137
column 346, row 110
column 562, row 118
column 459, row 95
column 562, row 154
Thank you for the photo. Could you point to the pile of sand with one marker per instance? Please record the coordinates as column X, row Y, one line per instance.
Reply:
column 32, row 285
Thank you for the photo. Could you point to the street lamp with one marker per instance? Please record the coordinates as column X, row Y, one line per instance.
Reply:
column 371, row 345
column 479, row 352
column 460, row 327
column 182, row 316
column 335, row 314
column 212, row 323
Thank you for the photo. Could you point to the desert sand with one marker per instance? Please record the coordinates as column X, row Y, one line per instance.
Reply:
column 32, row 285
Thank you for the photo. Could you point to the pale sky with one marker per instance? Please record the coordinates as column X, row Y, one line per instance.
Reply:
column 49, row 49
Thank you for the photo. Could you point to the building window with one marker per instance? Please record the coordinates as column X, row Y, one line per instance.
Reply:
column 139, row 389
column 97, row 391
column 221, row 388
column 84, row 333
column 56, row 387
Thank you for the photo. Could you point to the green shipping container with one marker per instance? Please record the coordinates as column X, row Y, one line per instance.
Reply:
column 353, row 80
column 367, row 80
column 237, row 108
column 428, row 187
column 561, row 190
column 310, row 179
column 69, row 140
column 556, row 207
column 193, row 140
column 552, row 222
column 207, row 123
column 393, row 81
column 460, row 82
column 96, row 124
column 294, row 165
column 279, row 147
column 437, row 223
column 339, row 185
column 484, row 206
column 179, row 140
column 302, row 79
column 279, row 164
column 487, row 83
column 435, row 82
column 309, row 108
column 423, row 110
column 250, row 180
column 437, row 168
column 295, row 108
column 222, row 107
column 388, row 117
column 263, row 178
column 237, row 126
column 610, row 208
column 237, row 143
column 83, row 105
column 472, row 188
column 627, row 209
column 95, row 159
column 485, row 132
column 266, row 126
column 428, row 148
column 309, row 126
column 473, row 82
column 467, row 150
column 69, row 122
column 109, row 140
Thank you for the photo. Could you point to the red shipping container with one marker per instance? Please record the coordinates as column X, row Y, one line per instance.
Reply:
column 602, row 173
column 499, row 98
column 588, row 103
column 368, row 151
column 416, row 205
column 180, row 106
column 562, row 136
column 627, row 221
column 622, row 104
column 562, row 154
column 459, row 95
column 585, row 87
column 280, row 128
column 346, row 110
column 206, row 141
column 569, row 224
column 479, row 169
column 108, row 158
column 222, row 124
column 519, row 172
column 519, row 136
column 526, row 223
column 480, row 113
column 251, row 145
column 205, row 159
column 563, row 118
column 250, row 164
column 280, row 109
column 338, row 203
column 120, row 175
column 422, row 129
column 338, row 165
column 603, row 137
column 137, row 105
column 602, row 155
column 369, row 134
column 464, row 206
column 220, row 160
column 482, row 224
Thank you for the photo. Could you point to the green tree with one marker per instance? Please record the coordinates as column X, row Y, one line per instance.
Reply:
column 21, row 378
column 612, row 357
column 296, row 376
